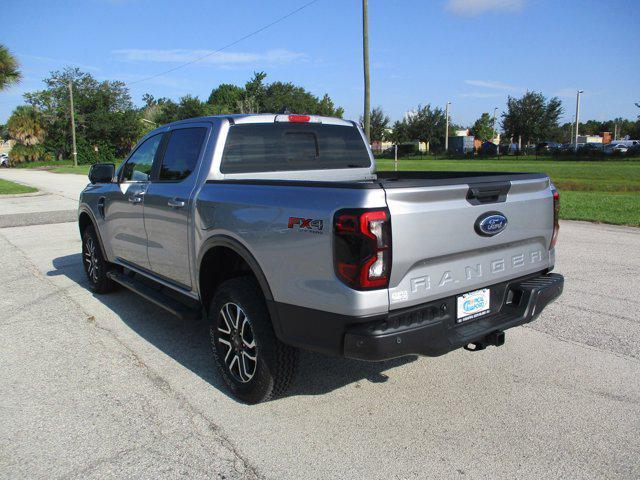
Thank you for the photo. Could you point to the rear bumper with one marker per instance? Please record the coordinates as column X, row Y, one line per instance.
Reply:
column 429, row 329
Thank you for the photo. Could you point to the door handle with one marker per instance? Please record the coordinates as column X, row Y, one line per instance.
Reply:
column 135, row 199
column 176, row 203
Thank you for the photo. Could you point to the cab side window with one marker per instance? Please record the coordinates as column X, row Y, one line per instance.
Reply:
column 181, row 154
column 138, row 167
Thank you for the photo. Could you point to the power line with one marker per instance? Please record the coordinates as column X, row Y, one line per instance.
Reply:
column 235, row 42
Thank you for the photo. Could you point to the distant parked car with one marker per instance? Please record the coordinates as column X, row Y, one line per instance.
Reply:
column 634, row 151
column 488, row 148
column 615, row 149
column 4, row 160
column 566, row 147
column 547, row 147
column 591, row 148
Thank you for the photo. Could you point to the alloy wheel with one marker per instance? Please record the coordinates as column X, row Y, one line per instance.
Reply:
column 238, row 344
column 91, row 259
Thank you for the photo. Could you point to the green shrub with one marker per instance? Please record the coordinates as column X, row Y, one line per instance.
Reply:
column 28, row 153
column 98, row 152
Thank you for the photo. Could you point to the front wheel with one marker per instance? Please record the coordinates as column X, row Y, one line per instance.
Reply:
column 254, row 364
column 95, row 265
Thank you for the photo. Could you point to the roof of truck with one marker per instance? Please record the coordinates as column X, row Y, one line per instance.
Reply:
column 239, row 118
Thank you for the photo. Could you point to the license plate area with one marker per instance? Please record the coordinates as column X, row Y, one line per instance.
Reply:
column 473, row 304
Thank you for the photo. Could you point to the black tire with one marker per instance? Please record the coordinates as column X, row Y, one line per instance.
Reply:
column 274, row 367
column 94, row 263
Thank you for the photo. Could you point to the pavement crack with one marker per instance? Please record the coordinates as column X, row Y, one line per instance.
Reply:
column 581, row 344
column 249, row 471
column 594, row 311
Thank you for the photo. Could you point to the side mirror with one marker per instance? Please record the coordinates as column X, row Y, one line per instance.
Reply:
column 102, row 173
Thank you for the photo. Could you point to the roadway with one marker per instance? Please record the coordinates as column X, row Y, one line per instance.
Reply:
column 112, row 386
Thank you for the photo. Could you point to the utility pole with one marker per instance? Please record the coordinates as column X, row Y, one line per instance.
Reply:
column 395, row 163
column 615, row 131
column 73, row 126
column 575, row 147
column 493, row 133
column 446, row 128
column 365, row 55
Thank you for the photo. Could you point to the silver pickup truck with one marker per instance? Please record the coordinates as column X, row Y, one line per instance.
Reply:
column 280, row 233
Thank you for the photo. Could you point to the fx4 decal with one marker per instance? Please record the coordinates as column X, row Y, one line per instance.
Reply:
column 306, row 224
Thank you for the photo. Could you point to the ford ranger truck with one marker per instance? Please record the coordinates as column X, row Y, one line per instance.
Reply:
column 278, row 230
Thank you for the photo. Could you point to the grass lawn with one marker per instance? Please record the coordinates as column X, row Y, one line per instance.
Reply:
column 63, row 166
column 80, row 169
column 7, row 187
column 620, row 208
column 602, row 191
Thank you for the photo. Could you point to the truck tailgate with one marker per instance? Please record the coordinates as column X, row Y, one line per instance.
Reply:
column 437, row 251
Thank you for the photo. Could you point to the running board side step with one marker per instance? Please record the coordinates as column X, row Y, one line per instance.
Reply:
column 170, row 304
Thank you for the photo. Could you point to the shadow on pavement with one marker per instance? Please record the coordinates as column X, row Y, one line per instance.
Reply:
column 188, row 342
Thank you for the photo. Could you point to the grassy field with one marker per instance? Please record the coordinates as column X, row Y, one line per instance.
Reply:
column 7, row 187
column 64, row 166
column 605, row 191
column 602, row 191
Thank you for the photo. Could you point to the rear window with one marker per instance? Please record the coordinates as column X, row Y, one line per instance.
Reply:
column 271, row 147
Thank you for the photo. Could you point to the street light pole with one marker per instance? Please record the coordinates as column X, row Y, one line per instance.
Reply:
column 73, row 126
column 575, row 147
column 446, row 128
column 365, row 58
column 571, row 137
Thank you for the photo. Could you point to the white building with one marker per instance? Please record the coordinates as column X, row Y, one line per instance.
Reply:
column 589, row 139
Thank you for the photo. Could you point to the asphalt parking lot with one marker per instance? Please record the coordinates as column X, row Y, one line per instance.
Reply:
column 112, row 386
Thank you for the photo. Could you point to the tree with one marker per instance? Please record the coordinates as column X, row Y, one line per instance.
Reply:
column 482, row 129
column 258, row 96
column 167, row 111
column 226, row 98
column 399, row 132
column 9, row 69
column 107, row 122
column 379, row 124
column 532, row 117
column 253, row 95
column 428, row 125
column 25, row 127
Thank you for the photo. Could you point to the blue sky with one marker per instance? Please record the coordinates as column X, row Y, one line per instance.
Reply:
column 472, row 53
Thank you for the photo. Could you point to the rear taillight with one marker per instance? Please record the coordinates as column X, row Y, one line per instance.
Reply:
column 556, row 216
column 362, row 248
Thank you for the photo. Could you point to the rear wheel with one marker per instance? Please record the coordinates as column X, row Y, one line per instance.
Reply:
column 94, row 263
column 254, row 364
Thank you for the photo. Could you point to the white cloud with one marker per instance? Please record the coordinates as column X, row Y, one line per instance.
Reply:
column 470, row 8
column 59, row 63
column 491, row 84
column 277, row 56
column 480, row 95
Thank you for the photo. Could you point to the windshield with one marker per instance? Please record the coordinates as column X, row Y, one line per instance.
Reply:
column 271, row 147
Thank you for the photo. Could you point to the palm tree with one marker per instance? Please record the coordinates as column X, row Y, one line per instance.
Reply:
column 25, row 125
column 9, row 73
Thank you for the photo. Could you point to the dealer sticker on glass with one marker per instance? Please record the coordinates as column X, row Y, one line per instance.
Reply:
column 473, row 304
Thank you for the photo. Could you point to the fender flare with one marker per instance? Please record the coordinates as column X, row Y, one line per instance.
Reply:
column 92, row 218
column 245, row 254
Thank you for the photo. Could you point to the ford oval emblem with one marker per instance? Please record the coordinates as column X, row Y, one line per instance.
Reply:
column 490, row 224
